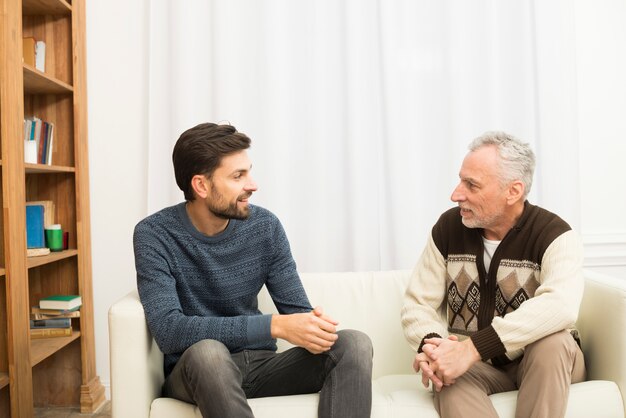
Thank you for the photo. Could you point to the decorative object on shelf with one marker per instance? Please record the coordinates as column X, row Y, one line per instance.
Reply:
column 54, row 237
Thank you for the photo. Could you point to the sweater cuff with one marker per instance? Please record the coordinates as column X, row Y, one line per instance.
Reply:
column 488, row 343
column 259, row 328
column 427, row 336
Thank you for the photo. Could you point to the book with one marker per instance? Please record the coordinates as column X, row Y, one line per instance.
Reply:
column 35, row 226
column 48, row 211
column 38, row 313
column 38, row 141
column 36, row 133
column 42, row 142
column 60, row 302
column 38, row 333
column 37, row 252
column 50, row 143
column 40, row 56
column 50, row 323
column 29, row 51
column 30, row 152
column 70, row 314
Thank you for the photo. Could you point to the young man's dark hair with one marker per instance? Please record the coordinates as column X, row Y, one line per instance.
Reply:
column 200, row 149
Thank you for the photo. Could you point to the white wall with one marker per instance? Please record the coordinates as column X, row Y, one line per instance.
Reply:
column 118, row 106
column 117, row 89
column 601, row 66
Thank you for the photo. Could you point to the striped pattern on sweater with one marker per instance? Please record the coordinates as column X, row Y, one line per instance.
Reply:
column 196, row 287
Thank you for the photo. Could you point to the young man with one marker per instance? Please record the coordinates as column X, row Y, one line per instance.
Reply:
column 200, row 266
column 508, row 275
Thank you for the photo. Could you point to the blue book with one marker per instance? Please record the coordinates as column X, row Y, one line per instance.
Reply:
column 50, row 323
column 35, row 227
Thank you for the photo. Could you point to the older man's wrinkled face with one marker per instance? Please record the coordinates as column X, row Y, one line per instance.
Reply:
column 480, row 193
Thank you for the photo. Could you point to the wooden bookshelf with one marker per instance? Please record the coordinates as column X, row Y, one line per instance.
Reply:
column 37, row 82
column 50, row 258
column 52, row 371
column 43, row 7
column 43, row 348
column 41, row 168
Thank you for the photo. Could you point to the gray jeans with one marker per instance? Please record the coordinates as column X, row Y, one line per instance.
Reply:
column 219, row 382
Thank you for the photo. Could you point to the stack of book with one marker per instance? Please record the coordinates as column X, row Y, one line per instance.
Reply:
column 53, row 316
column 38, row 139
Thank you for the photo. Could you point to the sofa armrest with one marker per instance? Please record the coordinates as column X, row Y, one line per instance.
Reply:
column 602, row 325
column 136, row 361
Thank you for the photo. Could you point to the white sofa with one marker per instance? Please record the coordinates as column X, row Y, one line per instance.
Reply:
column 371, row 302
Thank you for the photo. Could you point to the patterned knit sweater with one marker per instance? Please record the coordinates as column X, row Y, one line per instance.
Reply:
column 533, row 287
column 196, row 287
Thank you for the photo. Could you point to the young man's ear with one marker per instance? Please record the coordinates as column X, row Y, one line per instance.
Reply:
column 200, row 186
column 516, row 192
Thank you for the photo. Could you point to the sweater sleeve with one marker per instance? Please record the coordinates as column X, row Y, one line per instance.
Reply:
column 424, row 300
column 173, row 330
column 283, row 283
column 556, row 302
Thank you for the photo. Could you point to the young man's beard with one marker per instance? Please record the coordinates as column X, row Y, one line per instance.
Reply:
column 227, row 210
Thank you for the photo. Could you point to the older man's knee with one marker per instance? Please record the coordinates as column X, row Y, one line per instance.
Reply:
column 555, row 344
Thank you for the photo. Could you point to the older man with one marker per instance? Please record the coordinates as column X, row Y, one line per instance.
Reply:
column 492, row 302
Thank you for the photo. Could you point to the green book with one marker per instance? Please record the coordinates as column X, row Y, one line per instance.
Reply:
column 60, row 302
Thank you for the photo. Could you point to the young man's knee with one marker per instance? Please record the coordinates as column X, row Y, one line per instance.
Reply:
column 207, row 353
column 355, row 343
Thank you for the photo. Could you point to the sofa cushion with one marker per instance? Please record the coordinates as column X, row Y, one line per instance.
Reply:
column 409, row 399
column 300, row 406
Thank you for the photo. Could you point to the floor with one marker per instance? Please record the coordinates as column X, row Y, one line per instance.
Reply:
column 104, row 412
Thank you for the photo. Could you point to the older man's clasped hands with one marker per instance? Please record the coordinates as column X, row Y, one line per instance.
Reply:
column 442, row 360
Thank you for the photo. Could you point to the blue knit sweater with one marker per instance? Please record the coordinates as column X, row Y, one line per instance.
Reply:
column 196, row 287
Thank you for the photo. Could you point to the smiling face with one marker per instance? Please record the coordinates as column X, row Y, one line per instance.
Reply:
column 484, row 201
column 230, row 187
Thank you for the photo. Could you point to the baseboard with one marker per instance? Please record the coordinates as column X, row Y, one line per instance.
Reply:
column 107, row 389
column 605, row 250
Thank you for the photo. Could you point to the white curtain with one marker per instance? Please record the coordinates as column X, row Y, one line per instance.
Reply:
column 360, row 111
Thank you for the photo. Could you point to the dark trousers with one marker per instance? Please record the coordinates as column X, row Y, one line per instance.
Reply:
column 219, row 383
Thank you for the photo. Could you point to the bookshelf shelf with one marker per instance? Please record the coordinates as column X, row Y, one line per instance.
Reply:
column 4, row 380
column 36, row 82
column 49, row 7
column 51, row 258
column 41, row 168
column 2, row 272
column 43, row 348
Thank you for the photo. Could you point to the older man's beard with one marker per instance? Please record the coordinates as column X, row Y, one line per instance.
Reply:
column 480, row 222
